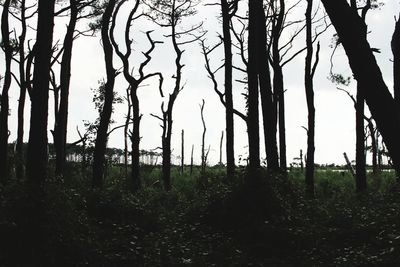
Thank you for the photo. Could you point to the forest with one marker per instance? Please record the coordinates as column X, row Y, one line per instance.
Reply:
column 83, row 202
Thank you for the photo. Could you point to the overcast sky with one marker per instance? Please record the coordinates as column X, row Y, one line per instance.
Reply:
column 335, row 116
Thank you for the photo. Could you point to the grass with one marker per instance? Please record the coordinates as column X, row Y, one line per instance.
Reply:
column 218, row 225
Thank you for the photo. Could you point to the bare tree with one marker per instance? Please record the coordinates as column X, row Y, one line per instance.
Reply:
column 170, row 14
column 134, row 82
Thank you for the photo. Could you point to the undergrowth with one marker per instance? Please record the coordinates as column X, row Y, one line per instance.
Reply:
column 270, row 223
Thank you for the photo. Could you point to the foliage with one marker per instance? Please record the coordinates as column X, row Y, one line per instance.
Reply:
column 217, row 225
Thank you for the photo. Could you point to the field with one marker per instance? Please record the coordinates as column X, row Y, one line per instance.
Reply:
column 218, row 224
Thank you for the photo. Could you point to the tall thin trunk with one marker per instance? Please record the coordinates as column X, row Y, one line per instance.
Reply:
column 278, row 84
column 101, row 138
column 255, row 21
column 361, row 179
column 60, row 130
column 309, row 88
column 22, row 96
column 268, row 105
column 227, row 39
column 37, row 147
column 4, row 101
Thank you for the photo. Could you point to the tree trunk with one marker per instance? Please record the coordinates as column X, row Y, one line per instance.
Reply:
column 4, row 101
column 60, row 130
column 268, row 107
column 309, row 88
column 361, row 179
column 20, row 159
column 351, row 30
column 166, row 163
column 101, row 138
column 135, row 177
column 230, row 153
column 37, row 146
column 126, row 132
column 278, row 84
column 255, row 20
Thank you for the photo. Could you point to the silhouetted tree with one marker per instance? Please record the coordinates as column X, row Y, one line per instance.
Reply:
column 396, row 64
column 170, row 14
column 23, row 81
column 351, row 30
column 309, row 88
column 102, row 136
column 76, row 13
column 4, row 99
column 134, row 84
column 228, row 10
column 37, row 146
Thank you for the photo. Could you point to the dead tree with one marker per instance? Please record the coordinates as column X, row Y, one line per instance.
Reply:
column 134, row 83
column 170, row 14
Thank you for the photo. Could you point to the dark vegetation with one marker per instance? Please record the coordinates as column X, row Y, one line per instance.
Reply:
column 190, row 225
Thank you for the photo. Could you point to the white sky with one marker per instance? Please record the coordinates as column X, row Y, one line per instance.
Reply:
column 335, row 116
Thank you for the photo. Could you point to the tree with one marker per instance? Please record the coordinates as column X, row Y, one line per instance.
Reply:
column 24, row 62
column 228, row 10
column 309, row 87
column 4, row 100
column 102, row 135
column 37, row 146
column 259, row 80
column 170, row 14
column 351, row 30
column 76, row 8
column 396, row 64
column 134, row 84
